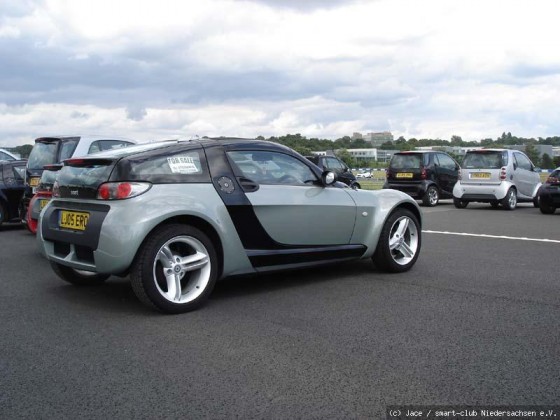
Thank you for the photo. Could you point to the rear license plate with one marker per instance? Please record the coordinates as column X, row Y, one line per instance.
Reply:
column 33, row 182
column 43, row 203
column 480, row 175
column 73, row 220
column 404, row 175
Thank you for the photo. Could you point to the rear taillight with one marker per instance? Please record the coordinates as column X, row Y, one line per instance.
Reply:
column 423, row 174
column 503, row 173
column 552, row 180
column 388, row 172
column 459, row 175
column 121, row 190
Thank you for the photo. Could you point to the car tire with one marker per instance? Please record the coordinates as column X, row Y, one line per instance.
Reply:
column 356, row 186
column 78, row 277
column 460, row 204
column 510, row 200
column 399, row 242
column 162, row 279
column 431, row 197
column 536, row 201
column 547, row 208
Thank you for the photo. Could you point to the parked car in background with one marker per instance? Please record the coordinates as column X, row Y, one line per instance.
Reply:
column 43, row 194
column 425, row 175
column 176, row 216
column 12, row 175
column 497, row 176
column 365, row 174
column 5, row 155
column 52, row 150
column 334, row 164
column 549, row 193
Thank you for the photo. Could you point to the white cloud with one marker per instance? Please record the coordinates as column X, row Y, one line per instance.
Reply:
column 150, row 68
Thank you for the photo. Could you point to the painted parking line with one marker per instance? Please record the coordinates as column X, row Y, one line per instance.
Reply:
column 482, row 235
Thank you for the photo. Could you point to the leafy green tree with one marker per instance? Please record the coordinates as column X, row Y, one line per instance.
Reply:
column 546, row 162
column 24, row 151
column 533, row 154
column 456, row 140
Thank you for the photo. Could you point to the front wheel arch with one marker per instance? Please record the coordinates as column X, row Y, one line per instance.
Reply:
column 397, row 251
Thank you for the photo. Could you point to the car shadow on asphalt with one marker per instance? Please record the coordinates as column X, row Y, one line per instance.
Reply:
column 116, row 294
column 265, row 282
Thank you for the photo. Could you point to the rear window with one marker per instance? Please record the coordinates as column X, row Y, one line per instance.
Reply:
column 406, row 161
column 484, row 160
column 43, row 154
column 90, row 174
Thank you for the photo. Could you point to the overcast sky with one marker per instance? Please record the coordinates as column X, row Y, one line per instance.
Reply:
column 170, row 68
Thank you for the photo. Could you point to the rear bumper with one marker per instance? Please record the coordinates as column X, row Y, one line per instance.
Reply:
column 481, row 193
column 413, row 189
column 550, row 196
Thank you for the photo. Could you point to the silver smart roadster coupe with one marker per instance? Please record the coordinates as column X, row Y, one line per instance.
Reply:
column 176, row 216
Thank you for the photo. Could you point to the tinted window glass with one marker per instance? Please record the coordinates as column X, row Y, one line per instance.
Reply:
column 272, row 168
column 179, row 166
column 13, row 174
column 5, row 156
column 43, row 154
column 446, row 162
column 84, row 176
column 406, row 161
column 334, row 164
column 102, row 145
column 67, row 149
column 483, row 160
column 523, row 161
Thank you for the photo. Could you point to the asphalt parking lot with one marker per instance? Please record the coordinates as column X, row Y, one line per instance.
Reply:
column 476, row 321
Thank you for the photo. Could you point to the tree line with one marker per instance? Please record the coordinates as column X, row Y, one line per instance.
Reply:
column 306, row 146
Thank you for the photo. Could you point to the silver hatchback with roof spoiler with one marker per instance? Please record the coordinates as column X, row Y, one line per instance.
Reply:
column 496, row 176
column 178, row 216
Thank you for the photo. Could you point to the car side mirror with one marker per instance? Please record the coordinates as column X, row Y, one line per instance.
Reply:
column 328, row 178
column 535, row 169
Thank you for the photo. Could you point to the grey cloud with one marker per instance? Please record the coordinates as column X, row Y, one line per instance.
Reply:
column 136, row 112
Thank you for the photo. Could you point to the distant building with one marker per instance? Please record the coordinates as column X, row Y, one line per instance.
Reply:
column 363, row 154
column 377, row 139
column 356, row 136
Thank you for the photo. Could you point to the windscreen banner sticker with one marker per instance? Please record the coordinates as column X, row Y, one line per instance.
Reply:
column 182, row 165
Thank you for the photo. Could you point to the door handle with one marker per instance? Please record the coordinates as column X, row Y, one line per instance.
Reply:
column 247, row 184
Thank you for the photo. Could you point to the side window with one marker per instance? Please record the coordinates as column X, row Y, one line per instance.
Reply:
column 5, row 156
column 271, row 168
column 334, row 164
column 523, row 161
column 180, row 167
column 100, row 145
column 446, row 162
column 67, row 148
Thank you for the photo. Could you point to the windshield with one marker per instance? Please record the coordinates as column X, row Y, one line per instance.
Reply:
column 406, row 161
column 484, row 160
column 43, row 154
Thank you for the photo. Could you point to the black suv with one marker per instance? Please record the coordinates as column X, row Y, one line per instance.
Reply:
column 426, row 176
column 333, row 164
column 12, row 174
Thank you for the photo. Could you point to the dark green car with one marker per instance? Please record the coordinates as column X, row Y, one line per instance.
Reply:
column 177, row 216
